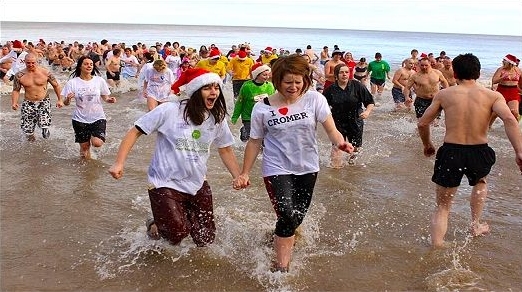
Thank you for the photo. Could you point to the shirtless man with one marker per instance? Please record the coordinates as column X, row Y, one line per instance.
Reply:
column 447, row 71
column 311, row 53
column 36, row 107
column 427, row 83
column 113, row 66
column 400, row 80
column 6, row 64
column 467, row 107
column 329, row 67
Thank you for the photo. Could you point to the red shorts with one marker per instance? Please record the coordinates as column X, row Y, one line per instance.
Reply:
column 510, row 92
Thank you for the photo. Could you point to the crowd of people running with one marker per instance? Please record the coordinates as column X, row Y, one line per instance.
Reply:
column 280, row 98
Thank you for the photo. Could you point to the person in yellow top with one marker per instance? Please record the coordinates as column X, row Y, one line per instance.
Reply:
column 268, row 55
column 239, row 68
column 213, row 64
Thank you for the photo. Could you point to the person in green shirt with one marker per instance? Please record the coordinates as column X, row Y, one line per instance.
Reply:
column 378, row 70
column 252, row 91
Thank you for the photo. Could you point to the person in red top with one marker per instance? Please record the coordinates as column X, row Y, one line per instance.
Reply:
column 348, row 60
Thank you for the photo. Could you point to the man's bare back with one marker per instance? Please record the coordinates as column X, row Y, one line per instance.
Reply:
column 467, row 108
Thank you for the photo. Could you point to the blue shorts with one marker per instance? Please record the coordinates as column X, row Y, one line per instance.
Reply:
column 397, row 95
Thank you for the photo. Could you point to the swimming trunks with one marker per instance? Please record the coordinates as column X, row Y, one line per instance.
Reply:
column 453, row 161
column 378, row 82
column 397, row 95
column 115, row 77
column 35, row 113
column 509, row 92
column 421, row 104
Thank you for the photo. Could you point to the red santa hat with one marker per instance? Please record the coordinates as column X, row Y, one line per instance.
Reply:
column 268, row 50
column 423, row 55
column 214, row 54
column 17, row 44
column 511, row 59
column 259, row 68
column 242, row 55
column 195, row 78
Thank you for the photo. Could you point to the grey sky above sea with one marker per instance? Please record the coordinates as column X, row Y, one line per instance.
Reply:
column 501, row 17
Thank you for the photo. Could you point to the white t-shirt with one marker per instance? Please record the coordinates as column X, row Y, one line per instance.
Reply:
column 182, row 150
column 159, row 83
column 290, row 134
column 131, row 65
column 173, row 62
column 87, row 96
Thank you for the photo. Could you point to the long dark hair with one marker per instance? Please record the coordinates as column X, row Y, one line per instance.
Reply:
column 78, row 70
column 195, row 110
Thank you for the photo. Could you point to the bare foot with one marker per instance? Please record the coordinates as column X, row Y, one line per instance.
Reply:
column 479, row 229
column 30, row 137
column 152, row 230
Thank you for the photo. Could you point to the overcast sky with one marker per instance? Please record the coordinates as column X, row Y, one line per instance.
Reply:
column 498, row 17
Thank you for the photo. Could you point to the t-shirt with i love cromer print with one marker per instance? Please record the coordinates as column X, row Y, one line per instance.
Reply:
column 290, row 134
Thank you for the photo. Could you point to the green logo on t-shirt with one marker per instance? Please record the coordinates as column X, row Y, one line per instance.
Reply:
column 196, row 134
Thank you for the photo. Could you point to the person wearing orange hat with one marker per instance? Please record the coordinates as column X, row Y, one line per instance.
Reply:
column 213, row 63
column 239, row 68
column 508, row 78
column 179, row 193
column 250, row 93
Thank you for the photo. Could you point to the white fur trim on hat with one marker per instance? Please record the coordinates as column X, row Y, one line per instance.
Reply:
column 259, row 70
column 202, row 80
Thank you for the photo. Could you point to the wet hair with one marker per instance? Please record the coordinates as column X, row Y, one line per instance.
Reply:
column 308, row 47
column 149, row 58
column 78, row 70
column 363, row 59
column 196, row 110
column 159, row 65
column 466, row 67
column 293, row 64
column 378, row 55
column 337, row 68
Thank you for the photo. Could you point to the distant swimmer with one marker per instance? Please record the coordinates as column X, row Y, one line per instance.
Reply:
column 427, row 83
column 36, row 107
column 400, row 80
column 447, row 71
column 508, row 78
column 467, row 107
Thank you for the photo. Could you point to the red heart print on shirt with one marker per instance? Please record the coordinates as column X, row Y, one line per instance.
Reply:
column 283, row 111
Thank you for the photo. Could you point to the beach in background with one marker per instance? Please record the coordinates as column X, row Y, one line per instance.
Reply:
column 67, row 225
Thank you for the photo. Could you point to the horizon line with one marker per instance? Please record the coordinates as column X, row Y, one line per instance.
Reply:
column 275, row 27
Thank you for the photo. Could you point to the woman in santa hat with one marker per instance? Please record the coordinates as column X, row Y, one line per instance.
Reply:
column 507, row 77
column 180, row 196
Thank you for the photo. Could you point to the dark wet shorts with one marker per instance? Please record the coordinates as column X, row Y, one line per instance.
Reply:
column 397, row 95
column 453, row 161
column 83, row 131
column 290, row 196
column 421, row 104
column 378, row 82
column 178, row 214
column 115, row 77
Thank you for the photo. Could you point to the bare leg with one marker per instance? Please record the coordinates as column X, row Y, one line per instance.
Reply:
column 478, row 197
column 513, row 106
column 283, row 248
column 439, row 219
column 85, row 150
column 151, row 103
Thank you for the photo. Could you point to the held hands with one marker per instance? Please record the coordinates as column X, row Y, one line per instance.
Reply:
column 346, row 147
column 241, row 182
column 111, row 99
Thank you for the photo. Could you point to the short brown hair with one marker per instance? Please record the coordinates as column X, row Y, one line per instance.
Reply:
column 293, row 64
